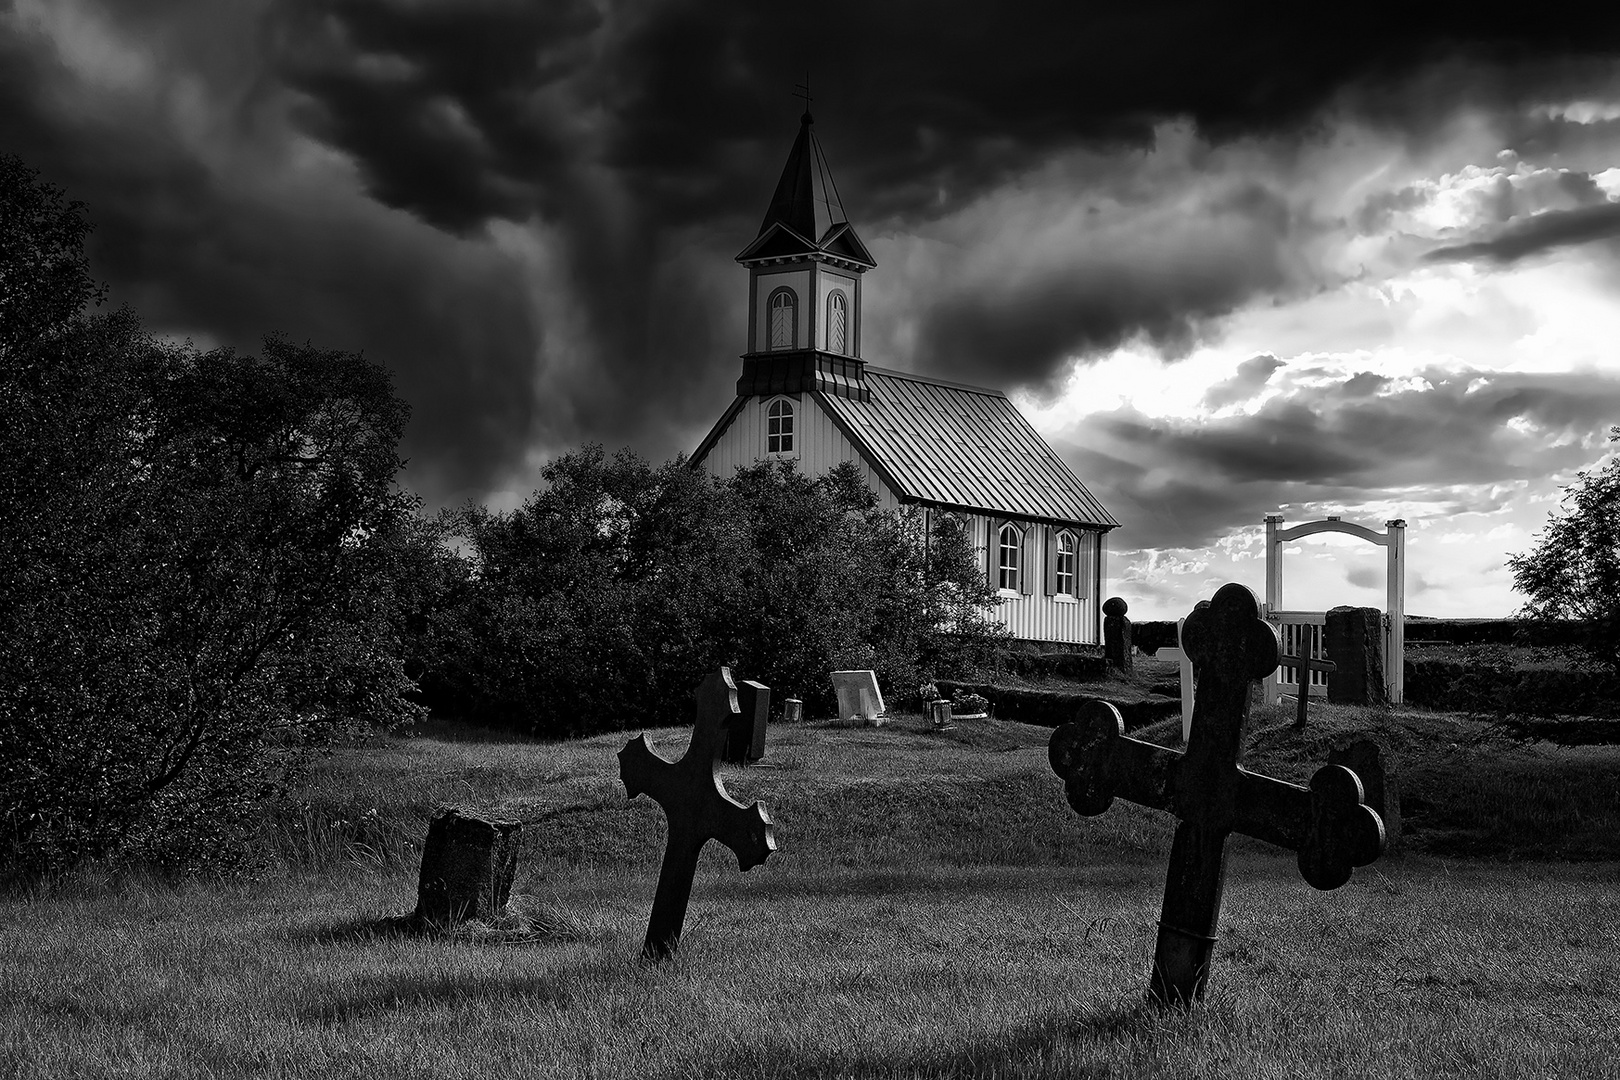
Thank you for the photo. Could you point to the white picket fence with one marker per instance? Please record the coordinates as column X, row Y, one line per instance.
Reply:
column 1290, row 627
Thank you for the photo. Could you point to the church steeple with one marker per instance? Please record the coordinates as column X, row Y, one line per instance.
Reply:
column 804, row 284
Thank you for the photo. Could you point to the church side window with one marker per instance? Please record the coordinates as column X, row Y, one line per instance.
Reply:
column 784, row 319
column 1009, row 542
column 837, row 322
column 1066, row 564
column 779, row 427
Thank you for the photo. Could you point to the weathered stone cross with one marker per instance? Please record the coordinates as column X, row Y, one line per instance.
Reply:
column 697, row 808
column 1327, row 823
column 1303, row 665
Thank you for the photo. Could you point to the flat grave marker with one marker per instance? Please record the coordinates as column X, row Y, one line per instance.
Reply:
column 697, row 808
column 1327, row 824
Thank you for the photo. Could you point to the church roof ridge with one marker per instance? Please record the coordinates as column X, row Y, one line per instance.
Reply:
column 933, row 380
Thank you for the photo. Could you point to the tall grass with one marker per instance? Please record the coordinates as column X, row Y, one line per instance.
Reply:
column 936, row 909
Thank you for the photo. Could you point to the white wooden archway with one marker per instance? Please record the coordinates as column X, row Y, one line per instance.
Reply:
column 1393, row 540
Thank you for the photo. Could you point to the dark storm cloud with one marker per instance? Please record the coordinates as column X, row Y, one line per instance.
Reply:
column 198, row 253
column 685, row 107
column 443, row 106
column 1249, row 379
column 1533, row 235
column 636, row 147
column 1183, row 484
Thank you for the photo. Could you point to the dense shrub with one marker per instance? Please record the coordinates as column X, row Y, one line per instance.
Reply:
column 603, row 599
column 194, row 565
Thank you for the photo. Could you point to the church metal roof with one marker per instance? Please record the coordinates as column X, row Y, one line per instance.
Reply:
column 962, row 447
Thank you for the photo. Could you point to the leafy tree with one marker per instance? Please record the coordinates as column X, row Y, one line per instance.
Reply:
column 602, row 600
column 196, row 557
column 1573, row 572
column 44, row 273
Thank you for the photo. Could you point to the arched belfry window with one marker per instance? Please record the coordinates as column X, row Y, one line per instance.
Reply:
column 837, row 322
column 779, row 427
column 783, row 311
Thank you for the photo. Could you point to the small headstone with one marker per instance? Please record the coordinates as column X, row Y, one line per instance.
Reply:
column 468, row 864
column 1354, row 641
column 792, row 710
column 1327, row 824
column 745, row 733
column 697, row 808
column 1379, row 781
column 1117, row 635
column 939, row 711
column 858, row 695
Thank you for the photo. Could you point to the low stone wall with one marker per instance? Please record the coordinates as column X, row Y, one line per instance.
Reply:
column 1049, row 708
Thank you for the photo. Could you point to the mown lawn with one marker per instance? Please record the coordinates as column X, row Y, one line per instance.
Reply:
column 935, row 909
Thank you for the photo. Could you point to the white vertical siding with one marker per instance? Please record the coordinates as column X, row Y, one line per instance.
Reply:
column 1036, row 616
column 818, row 445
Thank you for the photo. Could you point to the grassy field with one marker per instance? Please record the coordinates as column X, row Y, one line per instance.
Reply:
column 935, row 909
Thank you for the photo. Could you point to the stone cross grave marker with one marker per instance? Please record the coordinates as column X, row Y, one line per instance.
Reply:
column 858, row 693
column 1303, row 665
column 1327, row 824
column 697, row 808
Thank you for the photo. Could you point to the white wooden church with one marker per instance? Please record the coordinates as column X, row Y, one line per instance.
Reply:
column 807, row 395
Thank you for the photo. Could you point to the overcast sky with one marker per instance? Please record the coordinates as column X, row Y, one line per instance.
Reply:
column 1359, row 261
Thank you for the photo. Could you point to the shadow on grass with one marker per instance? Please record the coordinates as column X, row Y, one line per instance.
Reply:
column 524, row 921
column 407, row 991
column 1052, row 1046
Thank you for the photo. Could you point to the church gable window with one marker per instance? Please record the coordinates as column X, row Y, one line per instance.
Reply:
column 779, row 427
column 783, row 312
column 837, row 322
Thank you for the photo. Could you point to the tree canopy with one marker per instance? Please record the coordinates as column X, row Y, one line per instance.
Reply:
column 1573, row 572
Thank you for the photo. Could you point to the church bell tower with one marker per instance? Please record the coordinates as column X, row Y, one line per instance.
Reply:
column 804, row 285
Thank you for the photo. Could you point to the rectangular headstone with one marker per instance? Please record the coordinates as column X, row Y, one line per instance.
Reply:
column 1353, row 639
column 468, row 864
column 745, row 731
column 1376, row 770
column 858, row 693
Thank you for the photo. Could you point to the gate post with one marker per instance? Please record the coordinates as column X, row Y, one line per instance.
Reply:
column 1395, row 652
column 1273, row 600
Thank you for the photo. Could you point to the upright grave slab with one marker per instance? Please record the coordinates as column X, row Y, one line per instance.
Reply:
column 1375, row 767
column 1353, row 638
column 858, row 695
column 697, row 808
column 1117, row 649
column 468, row 863
column 1327, row 824
column 745, row 734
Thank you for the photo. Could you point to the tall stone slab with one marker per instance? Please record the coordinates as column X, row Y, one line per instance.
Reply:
column 1117, row 646
column 1354, row 641
column 1380, row 782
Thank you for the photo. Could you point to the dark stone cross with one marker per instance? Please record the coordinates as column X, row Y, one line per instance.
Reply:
column 697, row 808
column 1326, row 823
column 1303, row 665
